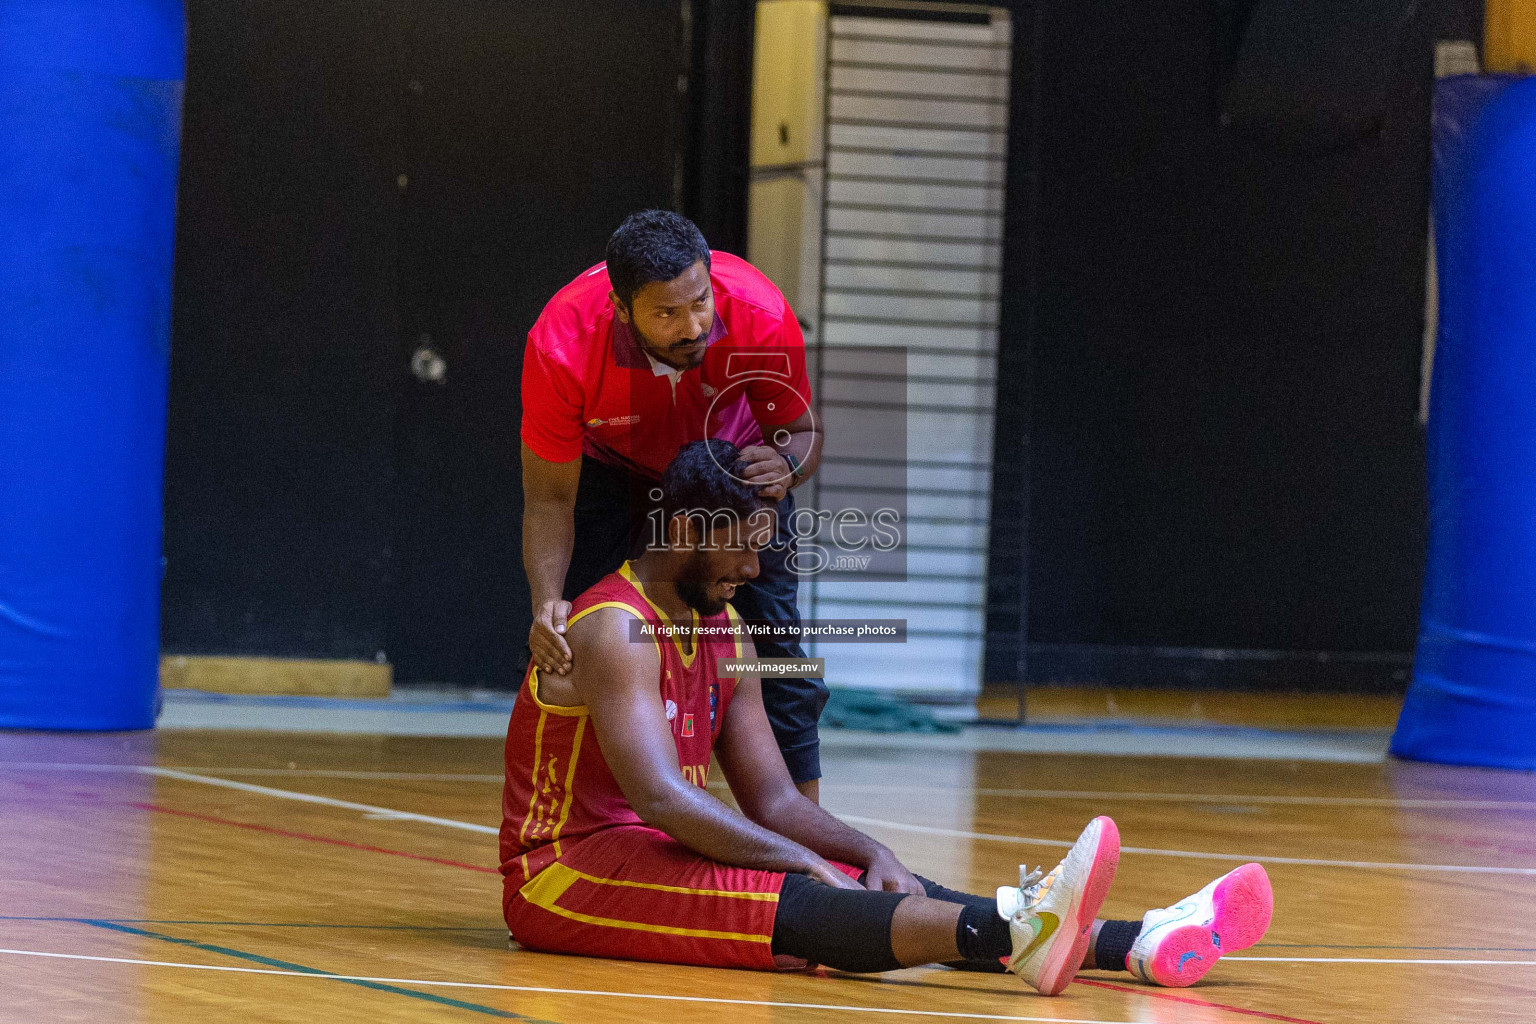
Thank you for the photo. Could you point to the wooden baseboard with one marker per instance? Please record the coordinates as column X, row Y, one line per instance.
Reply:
column 276, row 676
column 1045, row 704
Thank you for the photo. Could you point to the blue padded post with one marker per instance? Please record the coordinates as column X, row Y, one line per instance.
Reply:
column 1473, row 696
column 90, row 124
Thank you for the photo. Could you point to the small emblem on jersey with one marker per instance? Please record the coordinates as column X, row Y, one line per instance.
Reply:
column 615, row 421
column 714, row 702
column 671, row 710
column 709, row 392
column 687, row 726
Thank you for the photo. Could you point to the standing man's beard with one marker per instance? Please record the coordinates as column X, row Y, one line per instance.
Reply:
column 693, row 586
column 668, row 350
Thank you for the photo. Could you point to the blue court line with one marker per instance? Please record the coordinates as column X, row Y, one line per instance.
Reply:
column 262, row 924
column 460, row 1004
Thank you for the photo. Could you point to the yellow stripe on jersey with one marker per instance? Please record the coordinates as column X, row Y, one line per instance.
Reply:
column 566, row 876
column 736, row 625
column 628, row 574
column 570, row 779
column 551, row 883
column 538, row 754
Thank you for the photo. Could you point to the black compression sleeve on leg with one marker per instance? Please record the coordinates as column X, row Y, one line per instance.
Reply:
column 844, row 929
column 1114, row 944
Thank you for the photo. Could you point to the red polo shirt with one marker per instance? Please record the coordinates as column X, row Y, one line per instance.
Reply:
column 588, row 387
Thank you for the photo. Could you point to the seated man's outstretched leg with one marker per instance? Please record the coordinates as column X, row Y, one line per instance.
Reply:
column 1173, row 946
column 1043, row 927
column 632, row 892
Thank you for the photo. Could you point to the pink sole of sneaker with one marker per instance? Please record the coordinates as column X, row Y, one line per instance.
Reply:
column 1062, row 967
column 1244, row 903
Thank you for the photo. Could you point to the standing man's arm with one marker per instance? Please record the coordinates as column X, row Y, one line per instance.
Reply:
column 768, row 466
column 552, row 434
column 549, row 532
column 791, row 451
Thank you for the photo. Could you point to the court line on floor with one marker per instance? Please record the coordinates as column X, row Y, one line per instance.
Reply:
column 501, row 929
column 951, row 833
column 1189, row 1001
column 286, row 833
column 349, row 773
column 387, row 813
column 299, row 970
column 1410, row 803
column 326, row 801
column 394, row 815
column 541, row 990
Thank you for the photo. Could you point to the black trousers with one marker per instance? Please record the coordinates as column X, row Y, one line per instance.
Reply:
column 611, row 526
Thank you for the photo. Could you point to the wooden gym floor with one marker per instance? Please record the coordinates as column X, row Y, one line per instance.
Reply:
column 196, row 876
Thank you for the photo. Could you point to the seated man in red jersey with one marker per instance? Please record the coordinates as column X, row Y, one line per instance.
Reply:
column 611, row 846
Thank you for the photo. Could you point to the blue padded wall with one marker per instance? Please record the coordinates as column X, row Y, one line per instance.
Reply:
column 90, row 117
column 1473, row 695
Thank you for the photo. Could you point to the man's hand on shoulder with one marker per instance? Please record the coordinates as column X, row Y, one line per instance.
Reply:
column 546, row 638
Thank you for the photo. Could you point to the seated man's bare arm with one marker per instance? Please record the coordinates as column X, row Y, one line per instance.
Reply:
column 754, row 767
column 618, row 682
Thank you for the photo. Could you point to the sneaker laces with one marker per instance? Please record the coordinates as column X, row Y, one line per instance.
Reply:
column 1034, row 884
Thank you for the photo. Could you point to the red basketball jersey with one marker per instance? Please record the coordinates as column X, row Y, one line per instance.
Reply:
column 558, row 787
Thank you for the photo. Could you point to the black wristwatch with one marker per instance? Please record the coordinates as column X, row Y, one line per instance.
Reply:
column 795, row 472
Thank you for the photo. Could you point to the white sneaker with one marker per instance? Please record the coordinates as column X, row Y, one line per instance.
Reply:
column 1051, row 918
column 1178, row 944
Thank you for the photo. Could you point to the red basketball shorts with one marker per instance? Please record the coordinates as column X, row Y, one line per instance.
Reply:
column 634, row 893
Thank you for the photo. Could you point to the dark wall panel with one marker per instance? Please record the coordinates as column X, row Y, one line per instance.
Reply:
column 361, row 180
column 533, row 130
column 283, row 327
column 1222, row 328
column 719, row 120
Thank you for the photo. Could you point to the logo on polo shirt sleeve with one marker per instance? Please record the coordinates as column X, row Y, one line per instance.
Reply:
column 615, row 421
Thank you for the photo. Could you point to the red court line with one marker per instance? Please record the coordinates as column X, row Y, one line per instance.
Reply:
column 311, row 838
column 1155, row 994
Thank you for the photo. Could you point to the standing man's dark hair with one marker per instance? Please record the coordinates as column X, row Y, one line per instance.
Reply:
column 652, row 245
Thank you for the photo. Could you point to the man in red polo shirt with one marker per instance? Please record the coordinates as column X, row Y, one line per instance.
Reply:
column 662, row 344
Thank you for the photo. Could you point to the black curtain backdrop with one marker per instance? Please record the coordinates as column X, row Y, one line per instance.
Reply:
column 716, row 174
column 361, row 181
column 278, row 460
column 1212, row 319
